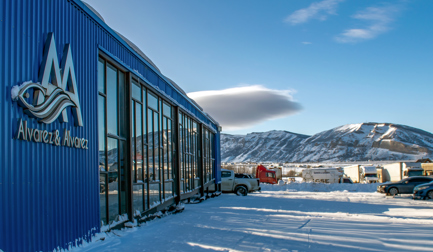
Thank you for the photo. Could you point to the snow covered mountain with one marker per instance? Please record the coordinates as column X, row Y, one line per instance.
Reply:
column 351, row 142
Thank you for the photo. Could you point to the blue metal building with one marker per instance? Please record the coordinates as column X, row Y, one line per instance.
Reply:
column 92, row 135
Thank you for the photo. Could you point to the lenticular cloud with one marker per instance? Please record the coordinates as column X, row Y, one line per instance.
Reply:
column 243, row 107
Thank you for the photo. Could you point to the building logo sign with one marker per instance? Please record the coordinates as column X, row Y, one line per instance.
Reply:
column 52, row 95
column 51, row 99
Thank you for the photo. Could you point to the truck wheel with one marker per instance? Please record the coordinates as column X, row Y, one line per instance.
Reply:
column 241, row 191
column 393, row 191
column 430, row 195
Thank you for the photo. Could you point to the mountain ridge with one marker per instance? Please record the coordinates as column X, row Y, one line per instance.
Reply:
column 350, row 142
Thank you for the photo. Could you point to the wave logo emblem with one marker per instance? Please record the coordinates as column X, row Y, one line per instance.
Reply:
column 51, row 99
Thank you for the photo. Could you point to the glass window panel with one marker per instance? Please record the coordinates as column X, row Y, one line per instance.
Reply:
column 144, row 164
column 156, row 163
column 113, row 197
column 150, row 127
column 123, row 176
column 138, row 142
column 180, row 138
column 185, row 137
column 101, row 132
column 165, row 153
column 112, row 157
column 123, row 125
column 137, row 198
column 191, row 135
column 168, row 190
column 191, row 173
column 150, row 143
column 188, row 144
column 167, row 110
column 144, row 115
column 188, row 172
column 182, row 184
column 156, row 129
column 136, row 90
column 112, row 100
column 193, row 167
column 102, row 197
column 170, row 161
column 181, row 150
column 197, row 182
column 211, row 145
column 207, row 169
column 134, row 145
column 101, row 76
column 212, row 168
column 154, row 195
column 197, row 169
column 194, row 143
column 152, row 101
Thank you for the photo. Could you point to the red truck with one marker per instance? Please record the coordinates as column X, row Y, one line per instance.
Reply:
column 265, row 175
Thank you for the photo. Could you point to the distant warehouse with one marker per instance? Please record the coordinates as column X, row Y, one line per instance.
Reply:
column 93, row 134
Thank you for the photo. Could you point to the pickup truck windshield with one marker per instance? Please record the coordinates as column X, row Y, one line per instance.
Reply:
column 225, row 174
column 270, row 175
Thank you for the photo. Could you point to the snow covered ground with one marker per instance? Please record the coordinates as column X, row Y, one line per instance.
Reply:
column 293, row 217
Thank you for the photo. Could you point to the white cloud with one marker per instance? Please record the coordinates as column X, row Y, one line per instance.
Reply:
column 243, row 107
column 306, row 43
column 379, row 19
column 317, row 10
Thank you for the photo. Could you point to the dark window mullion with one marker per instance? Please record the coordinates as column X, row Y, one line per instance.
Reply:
column 119, row 182
column 144, row 166
column 160, row 152
column 134, row 142
column 106, row 145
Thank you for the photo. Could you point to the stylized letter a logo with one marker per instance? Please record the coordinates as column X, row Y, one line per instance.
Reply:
column 52, row 99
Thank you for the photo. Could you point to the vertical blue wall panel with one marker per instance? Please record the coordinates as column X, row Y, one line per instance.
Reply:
column 50, row 194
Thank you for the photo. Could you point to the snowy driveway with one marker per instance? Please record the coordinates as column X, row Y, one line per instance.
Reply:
column 285, row 221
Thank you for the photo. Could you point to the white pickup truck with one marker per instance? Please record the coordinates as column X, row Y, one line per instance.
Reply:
column 240, row 186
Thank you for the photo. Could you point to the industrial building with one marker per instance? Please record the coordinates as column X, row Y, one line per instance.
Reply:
column 93, row 135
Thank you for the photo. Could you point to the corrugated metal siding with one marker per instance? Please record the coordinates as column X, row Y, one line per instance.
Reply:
column 49, row 195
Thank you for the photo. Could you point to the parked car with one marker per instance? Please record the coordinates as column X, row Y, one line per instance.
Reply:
column 240, row 186
column 423, row 191
column 404, row 186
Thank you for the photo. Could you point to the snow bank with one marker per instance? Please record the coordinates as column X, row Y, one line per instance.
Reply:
column 319, row 187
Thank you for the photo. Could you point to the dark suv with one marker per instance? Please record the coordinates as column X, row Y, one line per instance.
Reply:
column 404, row 186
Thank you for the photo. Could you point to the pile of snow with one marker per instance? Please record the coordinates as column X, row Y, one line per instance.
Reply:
column 15, row 90
column 319, row 187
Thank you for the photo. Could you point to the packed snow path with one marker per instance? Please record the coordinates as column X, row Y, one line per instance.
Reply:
column 285, row 221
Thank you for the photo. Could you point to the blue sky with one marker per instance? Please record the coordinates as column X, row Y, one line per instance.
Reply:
column 333, row 62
